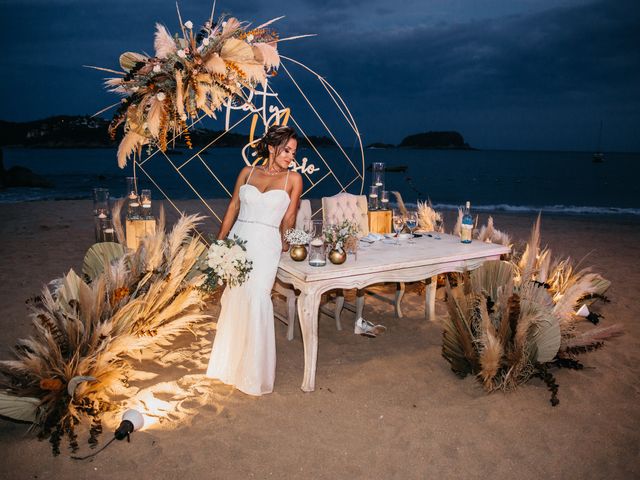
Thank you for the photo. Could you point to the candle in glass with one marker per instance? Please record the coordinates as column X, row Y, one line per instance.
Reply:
column 384, row 200
column 145, row 200
column 373, row 197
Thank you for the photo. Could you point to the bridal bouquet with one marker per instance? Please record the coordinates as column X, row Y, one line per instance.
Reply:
column 293, row 236
column 226, row 263
column 338, row 235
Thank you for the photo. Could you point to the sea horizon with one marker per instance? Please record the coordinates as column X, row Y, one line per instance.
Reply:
column 510, row 181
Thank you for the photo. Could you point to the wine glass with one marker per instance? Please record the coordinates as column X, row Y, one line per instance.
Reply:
column 398, row 225
column 411, row 220
column 439, row 224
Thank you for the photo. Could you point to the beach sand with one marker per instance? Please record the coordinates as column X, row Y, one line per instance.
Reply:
column 384, row 408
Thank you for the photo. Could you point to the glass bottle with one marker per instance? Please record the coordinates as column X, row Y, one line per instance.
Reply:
column 467, row 224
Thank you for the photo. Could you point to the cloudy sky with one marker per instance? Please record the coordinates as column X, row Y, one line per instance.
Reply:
column 507, row 74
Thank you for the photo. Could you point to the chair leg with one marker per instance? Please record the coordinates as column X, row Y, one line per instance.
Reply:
column 359, row 303
column 430, row 298
column 338, row 311
column 292, row 313
column 399, row 295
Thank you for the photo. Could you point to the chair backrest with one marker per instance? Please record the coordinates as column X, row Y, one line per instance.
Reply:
column 304, row 214
column 345, row 206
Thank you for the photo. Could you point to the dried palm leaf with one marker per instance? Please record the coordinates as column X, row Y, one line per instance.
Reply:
column 128, row 60
column 267, row 55
column 98, row 255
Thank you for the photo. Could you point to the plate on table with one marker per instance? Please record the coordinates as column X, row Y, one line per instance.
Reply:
column 401, row 236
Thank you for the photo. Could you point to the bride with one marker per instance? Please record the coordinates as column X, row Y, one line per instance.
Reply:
column 263, row 206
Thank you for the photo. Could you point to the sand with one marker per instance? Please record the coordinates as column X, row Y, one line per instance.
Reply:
column 383, row 408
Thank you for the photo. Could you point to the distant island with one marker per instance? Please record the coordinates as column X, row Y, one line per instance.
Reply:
column 434, row 140
column 83, row 131
column 73, row 131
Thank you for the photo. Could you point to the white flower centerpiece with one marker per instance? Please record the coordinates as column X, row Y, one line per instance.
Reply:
column 297, row 239
column 341, row 237
column 227, row 263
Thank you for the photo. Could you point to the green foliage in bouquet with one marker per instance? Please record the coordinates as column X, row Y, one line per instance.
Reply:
column 225, row 263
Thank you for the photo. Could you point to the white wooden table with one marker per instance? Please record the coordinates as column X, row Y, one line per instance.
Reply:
column 377, row 263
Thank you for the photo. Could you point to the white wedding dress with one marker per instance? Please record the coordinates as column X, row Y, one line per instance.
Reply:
column 244, row 349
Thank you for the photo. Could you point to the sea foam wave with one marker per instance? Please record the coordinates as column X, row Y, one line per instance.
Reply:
column 555, row 209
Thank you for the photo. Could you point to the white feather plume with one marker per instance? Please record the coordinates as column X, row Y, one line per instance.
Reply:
column 163, row 42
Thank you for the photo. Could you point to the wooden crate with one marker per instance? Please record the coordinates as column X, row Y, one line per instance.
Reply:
column 136, row 230
column 380, row 221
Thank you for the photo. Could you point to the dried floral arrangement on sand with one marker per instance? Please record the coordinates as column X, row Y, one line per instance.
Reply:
column 510, row 321
column 88, row 329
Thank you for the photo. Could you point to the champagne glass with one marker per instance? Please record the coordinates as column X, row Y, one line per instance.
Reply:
column 411, row 221
column 398, row 225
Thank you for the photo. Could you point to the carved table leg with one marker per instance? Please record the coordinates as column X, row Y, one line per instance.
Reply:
column 308, row 304
column 338, row 312
column 430, row 298
column 399, row 295
column 359, row 303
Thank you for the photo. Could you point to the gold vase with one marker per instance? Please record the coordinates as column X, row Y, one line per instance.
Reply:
column 298, row 252
column 337, row 257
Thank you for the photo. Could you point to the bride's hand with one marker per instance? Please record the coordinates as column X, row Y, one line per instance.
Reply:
column 285, row 246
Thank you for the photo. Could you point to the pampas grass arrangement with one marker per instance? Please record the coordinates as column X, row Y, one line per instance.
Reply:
column 87, row 330
column 510, row 321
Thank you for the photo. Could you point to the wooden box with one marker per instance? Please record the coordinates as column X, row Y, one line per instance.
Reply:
column 380, row 221
column 136, row 230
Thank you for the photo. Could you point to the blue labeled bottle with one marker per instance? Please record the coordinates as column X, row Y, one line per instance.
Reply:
column 467, row 224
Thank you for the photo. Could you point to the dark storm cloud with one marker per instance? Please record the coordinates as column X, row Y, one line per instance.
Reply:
column 498, row 71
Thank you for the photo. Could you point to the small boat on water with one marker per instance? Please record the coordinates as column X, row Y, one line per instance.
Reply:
column 598, row 156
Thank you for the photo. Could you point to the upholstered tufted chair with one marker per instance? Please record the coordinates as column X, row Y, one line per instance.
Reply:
column 345, row 206
column 302, row 219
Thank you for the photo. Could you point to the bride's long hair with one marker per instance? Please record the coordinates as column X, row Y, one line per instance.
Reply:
column 277, row 136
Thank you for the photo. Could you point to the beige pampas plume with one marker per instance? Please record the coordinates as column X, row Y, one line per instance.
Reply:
column 489, row 234
column 129, row 144
column 116, row 215
column 458, row 226
column 428, row 219
column 401, row 206
column 163, row 42
column 154, row 116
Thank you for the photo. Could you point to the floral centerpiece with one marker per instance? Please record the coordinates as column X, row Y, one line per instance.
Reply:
column 338, row 235
column 227, row 263
column 294, row 236
column 297, row 239
column 197, row 71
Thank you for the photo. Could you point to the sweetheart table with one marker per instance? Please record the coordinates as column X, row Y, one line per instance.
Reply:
column 377, row 263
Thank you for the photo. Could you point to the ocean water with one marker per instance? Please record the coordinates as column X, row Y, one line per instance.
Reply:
column 519, row 181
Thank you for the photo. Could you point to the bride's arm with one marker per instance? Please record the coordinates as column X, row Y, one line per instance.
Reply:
column 289, row 219
column 234, row 205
